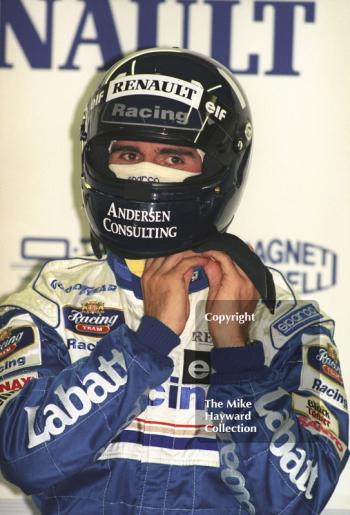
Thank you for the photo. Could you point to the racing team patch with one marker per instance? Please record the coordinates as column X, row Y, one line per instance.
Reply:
column 321, row 372
column 314, row 415
column 13, row 339
column 19, row 347
column 92, row 319
column 325, row 360
column 12, row 385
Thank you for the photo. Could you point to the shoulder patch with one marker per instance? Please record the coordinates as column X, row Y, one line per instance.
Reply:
column 315, row 416
column 296, row 319
column 293, row 321
column 20, row 346
column 12, row 386
column 13, row 339
column 92, row 318
column 321, row 372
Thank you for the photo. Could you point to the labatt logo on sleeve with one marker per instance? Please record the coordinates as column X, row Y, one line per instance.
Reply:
column 302, row 472
column 92, row 318
column 70, row 404
column 12, row 385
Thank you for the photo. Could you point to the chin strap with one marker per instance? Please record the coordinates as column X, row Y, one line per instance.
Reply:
column 97, row 247
column 248, row 261
column 239, row 252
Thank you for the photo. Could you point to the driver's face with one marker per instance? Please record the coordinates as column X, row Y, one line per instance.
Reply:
column 172, row 156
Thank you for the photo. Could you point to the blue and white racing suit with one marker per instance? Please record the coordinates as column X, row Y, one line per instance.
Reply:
column 107, row 411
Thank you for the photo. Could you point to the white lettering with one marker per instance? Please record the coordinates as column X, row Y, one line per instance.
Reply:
column 132, row 231
column 280, row 424
column 96, row 393
column 62, row 420
column 233, row 478
column 189, row 93
column 199, row 369
column 241, row 318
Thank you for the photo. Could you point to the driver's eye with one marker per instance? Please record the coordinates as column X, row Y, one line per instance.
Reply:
column 129, row 156
column 173, row 161
column 118, row 156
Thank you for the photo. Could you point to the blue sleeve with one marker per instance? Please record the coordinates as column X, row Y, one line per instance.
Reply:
column 58, row 417
column 284, row 427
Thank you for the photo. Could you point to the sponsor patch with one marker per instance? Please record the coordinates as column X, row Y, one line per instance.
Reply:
column 325, row 361
column 72, row 343
column 83, row 289
column 315, row 409
column 189, row 93
column 335, row 396
column 196, row 369
column 317, row 428
column 19, row 347
column 202, row 337
column 13, row 339
column 92, row 319
column 11, row 386
column 314, row 415
column 295, row 320
column 320, row 372
column 76, row 401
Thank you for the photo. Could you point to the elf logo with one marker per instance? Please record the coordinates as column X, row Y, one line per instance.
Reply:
column 196, row 368
column 216, row 110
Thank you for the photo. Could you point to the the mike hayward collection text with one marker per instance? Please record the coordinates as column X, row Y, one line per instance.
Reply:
column 220, row 422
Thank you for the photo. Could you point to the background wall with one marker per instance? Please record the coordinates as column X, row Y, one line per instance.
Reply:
column 292, row 58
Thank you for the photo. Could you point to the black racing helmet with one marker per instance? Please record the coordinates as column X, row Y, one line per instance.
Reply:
column 176, row 97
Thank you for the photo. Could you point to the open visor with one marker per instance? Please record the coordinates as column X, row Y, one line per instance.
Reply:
column 99, row 173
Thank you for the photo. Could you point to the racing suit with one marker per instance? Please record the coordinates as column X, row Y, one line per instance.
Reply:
column 107, row 411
